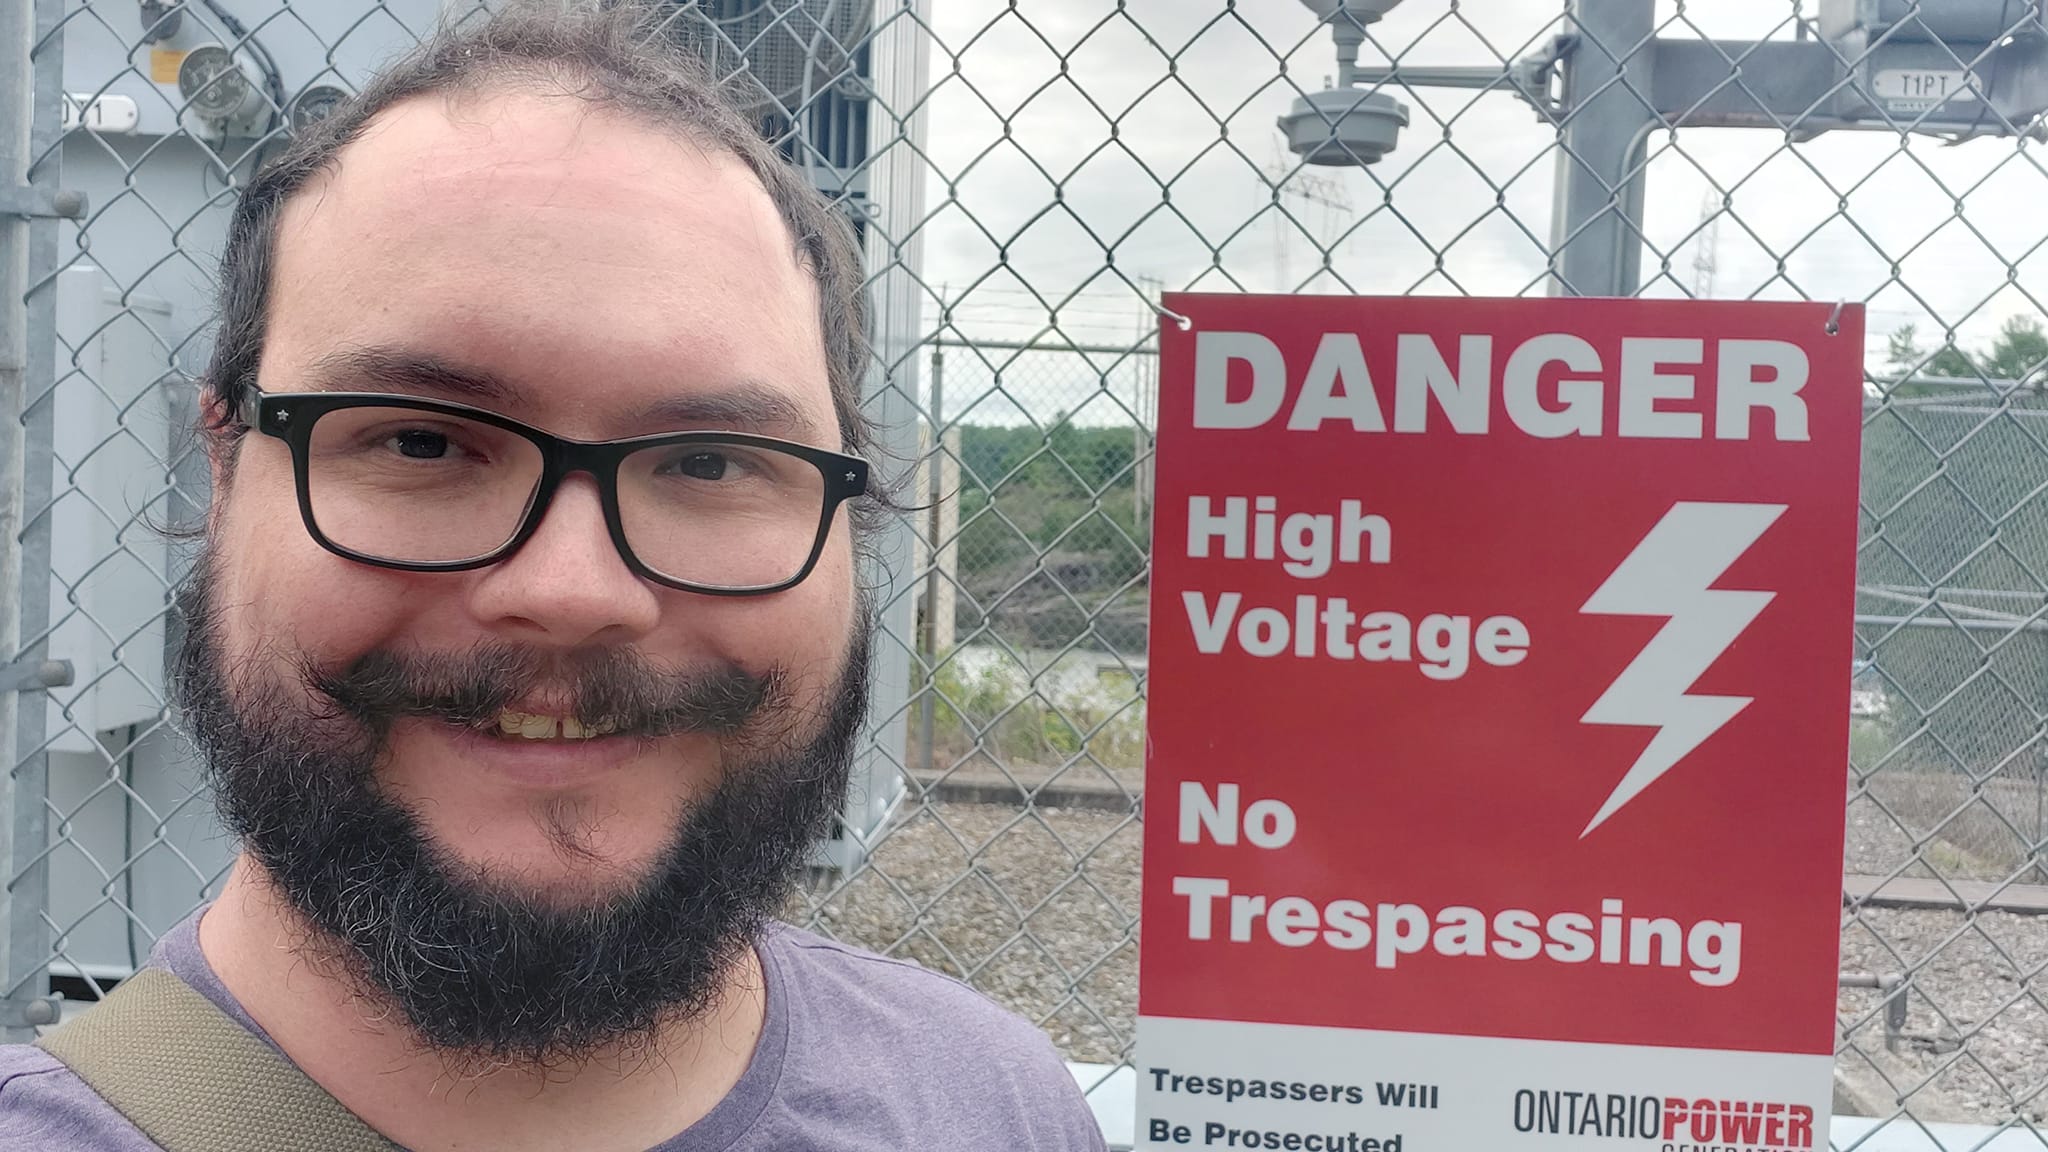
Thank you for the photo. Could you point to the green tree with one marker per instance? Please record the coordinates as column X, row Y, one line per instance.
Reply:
column 1050, row 532
column 2019, row 352
column 1903, row 352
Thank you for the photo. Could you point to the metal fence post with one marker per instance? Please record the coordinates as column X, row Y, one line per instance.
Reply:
column 1595, row 237
column 17, row 107
column 928, row 630
column 31, row 78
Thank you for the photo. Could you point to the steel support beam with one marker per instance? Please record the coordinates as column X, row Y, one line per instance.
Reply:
column 1595, row 244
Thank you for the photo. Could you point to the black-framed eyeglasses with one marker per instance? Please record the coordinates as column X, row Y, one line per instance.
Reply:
column 426, row 486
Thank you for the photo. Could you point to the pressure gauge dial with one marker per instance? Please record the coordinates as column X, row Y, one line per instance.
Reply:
column 316, row 104
column 215, row 85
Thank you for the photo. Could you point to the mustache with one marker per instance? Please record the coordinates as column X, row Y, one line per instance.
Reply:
column 617, row 688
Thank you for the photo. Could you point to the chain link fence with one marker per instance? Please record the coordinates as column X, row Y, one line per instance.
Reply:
column 1026, row 179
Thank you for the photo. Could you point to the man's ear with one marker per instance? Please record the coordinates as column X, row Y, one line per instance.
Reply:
column 218, row 434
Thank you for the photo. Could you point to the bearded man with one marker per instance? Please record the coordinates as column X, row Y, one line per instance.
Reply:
column 527, row 653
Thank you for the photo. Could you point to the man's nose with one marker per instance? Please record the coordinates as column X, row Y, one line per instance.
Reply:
column 568, row 585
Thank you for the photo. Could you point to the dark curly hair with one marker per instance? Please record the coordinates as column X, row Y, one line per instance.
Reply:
column 618, row 56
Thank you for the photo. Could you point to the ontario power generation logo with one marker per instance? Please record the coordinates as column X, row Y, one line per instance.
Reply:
column 1666, row 1123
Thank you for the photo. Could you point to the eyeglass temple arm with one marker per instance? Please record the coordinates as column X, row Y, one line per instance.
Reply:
column 250, row 405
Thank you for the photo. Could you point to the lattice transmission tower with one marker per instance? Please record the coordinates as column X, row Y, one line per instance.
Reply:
column 1322, row 196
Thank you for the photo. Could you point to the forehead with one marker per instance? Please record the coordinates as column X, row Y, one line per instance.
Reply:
column 596, row 263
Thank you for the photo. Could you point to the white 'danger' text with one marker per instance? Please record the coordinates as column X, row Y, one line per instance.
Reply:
column 1242, row 380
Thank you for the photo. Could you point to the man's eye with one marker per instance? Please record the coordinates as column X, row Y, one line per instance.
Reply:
column 421, row 444
column 702, row 465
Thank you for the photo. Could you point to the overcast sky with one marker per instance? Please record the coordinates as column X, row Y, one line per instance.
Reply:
column 1173, row 184
column 1158, row 143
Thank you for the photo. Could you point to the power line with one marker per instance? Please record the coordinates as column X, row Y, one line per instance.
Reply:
column 1313, row 190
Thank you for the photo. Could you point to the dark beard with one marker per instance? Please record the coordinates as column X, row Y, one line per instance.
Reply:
column 477, row 970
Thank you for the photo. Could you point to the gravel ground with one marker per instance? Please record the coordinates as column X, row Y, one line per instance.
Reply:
column 1976, row 1036
column 1939, row 823
column 1039, row 909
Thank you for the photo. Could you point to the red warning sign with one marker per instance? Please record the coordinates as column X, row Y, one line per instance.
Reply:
column 1498, row 722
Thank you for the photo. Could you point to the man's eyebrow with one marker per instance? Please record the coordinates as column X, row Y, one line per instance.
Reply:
column 379, row 368
column 747, row 406
column 742, row 407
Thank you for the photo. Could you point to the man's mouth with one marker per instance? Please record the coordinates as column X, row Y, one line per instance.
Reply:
column 545, row 726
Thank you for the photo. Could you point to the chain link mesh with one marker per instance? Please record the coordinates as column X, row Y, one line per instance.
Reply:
column 1027, row 179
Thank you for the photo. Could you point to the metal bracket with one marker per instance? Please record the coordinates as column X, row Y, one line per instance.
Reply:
column 1528, row 78
column 35, row 675
column 34, row 202
column 39, row 1012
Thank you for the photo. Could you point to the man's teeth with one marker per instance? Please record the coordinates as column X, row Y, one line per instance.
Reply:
column 541, row 726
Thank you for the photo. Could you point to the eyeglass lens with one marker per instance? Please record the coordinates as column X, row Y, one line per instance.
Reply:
column 417, row 487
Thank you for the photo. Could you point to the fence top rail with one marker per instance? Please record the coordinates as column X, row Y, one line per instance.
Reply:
column 1136, row 348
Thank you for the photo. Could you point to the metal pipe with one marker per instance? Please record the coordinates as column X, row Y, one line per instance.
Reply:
column 2002, row 385
column 1350, row 37
column 17, row 111
column 928, row 629
column 1940, row 622
column 1137, row 349
column 1893, row 986
column 1595, row 248
column 1442, row 76
column 31, row 79
column 1925, row 592
column 1992, row 614
column 28, row 920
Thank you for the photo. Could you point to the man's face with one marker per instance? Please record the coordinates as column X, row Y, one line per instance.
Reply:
column 593, row 270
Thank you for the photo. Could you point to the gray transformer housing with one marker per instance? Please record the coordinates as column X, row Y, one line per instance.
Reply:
column 1958, row 65
column 1951, row 21
column 135, row 304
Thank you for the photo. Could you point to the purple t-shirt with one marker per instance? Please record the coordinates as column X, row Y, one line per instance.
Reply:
column 857, row 1052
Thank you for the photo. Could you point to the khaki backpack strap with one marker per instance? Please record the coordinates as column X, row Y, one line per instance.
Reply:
column 194, row 1080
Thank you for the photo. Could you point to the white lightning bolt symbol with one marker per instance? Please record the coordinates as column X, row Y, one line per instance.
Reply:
column 1671, row 573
